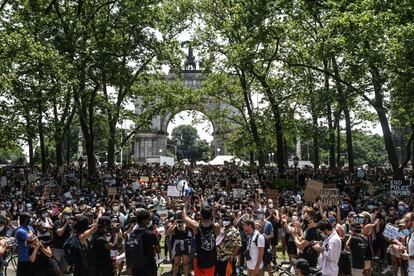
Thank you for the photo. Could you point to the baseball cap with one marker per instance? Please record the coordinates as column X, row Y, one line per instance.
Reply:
column 82, row 224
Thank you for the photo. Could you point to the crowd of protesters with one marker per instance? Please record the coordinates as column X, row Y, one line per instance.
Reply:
column 207, row 230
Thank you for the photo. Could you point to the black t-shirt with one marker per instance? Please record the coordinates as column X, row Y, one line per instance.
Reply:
column 58, row 241
column 310, row 254
column 358, row 246
column 102, row 253
column 150, row 242
column 206, row 246
column 42, row 263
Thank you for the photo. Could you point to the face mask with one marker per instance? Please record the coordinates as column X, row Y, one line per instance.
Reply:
column 406, row 232
column 331, row 220
column 15, row 208
column 401, row 208
column 271, row 205
column 323, row 236
column 294, row 218
column 226, row 223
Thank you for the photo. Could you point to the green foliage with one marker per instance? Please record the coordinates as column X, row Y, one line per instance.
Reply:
column 13, row 155
column 189, row 145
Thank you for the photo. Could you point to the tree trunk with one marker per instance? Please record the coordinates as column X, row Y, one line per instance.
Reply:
column 111, row 145
column 349, row 142
column 285, row 152
column 331, row 130
column 31, row 152
column 68, row 146
column 252, row 121
column 338, row 141
column 279, row 142
column 42, row 144
column 389, row 143
column 90, row 153
column 59, row 152
column 316, row 160
column 408, row 150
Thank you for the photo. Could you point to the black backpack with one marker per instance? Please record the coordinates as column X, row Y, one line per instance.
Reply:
column 134, row 250
column 72, row 251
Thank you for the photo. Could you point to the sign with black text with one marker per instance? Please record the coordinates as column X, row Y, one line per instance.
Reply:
column 329, row 196
column 399, row 188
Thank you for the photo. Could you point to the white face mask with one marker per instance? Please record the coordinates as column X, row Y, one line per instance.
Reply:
column 226, row 223
column 271, row 205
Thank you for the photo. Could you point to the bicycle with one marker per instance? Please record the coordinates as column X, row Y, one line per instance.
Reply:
column 282, row 269
column 10, row 258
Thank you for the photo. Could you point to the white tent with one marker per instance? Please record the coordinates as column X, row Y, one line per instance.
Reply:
column 201, row 163
column 220, row 159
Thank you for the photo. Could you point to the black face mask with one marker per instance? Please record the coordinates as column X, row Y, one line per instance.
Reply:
column 306, row 222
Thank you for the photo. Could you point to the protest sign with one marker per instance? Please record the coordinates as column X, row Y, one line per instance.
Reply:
column 329, row 196
column 312, row 190
column 3, row 182
column 391, row 232
column 273, row 194
column 399, row 188
column 239, row 193
column 68, row 195
column 112, row 191
column 110, row 181
column 172, row 191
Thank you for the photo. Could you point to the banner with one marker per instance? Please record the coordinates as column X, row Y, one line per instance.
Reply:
column 239, row 193
column 391, row 232
column 329, row 196
column 399, row 188
column 173, row 192
column 312, row 190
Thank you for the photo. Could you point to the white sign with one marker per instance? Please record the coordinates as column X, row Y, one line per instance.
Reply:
column 173, row 192
column 68, row 195
column 391, row 232
column 399, row 188
column 3, row 182
column 238, row 193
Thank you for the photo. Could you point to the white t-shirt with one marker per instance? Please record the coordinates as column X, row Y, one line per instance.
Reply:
column 411, row 253
column 254, row 250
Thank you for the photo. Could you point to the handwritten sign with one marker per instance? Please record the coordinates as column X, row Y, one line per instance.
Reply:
column 144, row 179
column 273, row 194
column 312, row 190
column 329, row 196
column 239, row 193
column 112, row 191
column 391, row 232
column 399, row 188
column 172, row 191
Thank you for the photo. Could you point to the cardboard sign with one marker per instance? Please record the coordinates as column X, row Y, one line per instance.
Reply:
column 239, row 193
column 112, row 191
column 173, row 192
column 391, row 232
column 312, row 190
column 399, row 188
column 273, row 194
column 329, row 197
column 3, row 181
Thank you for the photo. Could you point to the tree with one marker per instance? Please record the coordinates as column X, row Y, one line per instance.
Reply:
column 189, row 145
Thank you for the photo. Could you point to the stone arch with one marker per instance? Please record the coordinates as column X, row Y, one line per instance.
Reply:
column 152, row 142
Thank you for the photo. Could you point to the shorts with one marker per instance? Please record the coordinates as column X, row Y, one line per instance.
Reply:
column 291, row 248
column 181, row 248
column 203, row 271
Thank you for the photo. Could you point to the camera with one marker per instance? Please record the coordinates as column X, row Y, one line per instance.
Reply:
column 247, row 255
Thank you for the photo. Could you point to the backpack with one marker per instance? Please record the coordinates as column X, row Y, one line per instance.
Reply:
column 72, row 250
column 88, row 254
column 134, row 250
